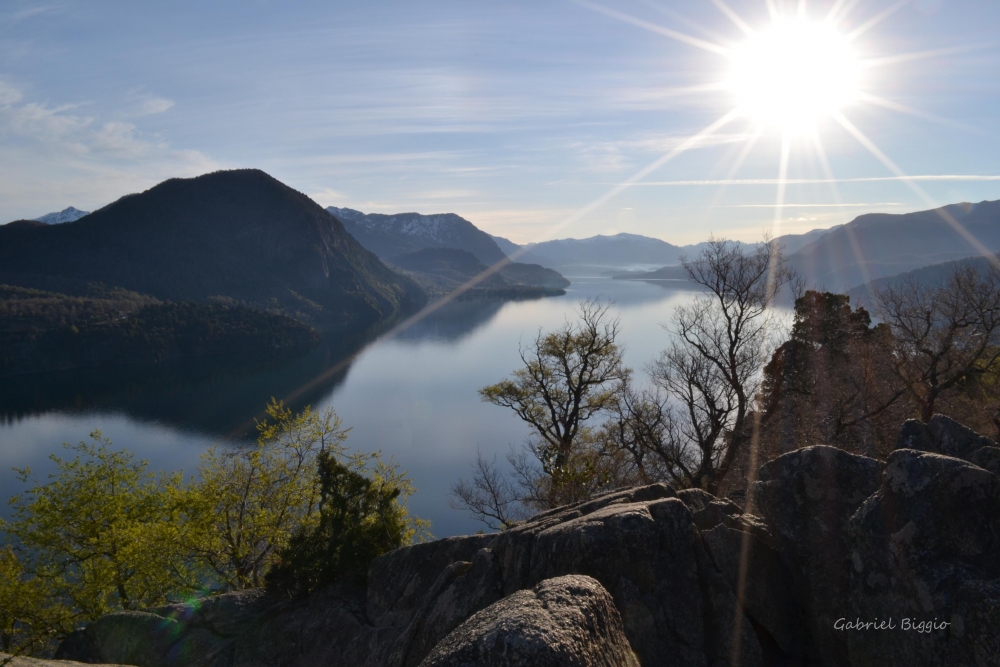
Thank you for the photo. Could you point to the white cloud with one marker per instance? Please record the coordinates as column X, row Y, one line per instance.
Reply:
column 54, row 157
column 142, row 103
column 9, row 94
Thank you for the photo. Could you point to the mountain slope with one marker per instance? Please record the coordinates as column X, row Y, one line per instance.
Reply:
column 934, row 275
column 618, row 250
column 236, row 235
column 391, row 235
column 441, row 270
column 66, row 215
column 879, row 244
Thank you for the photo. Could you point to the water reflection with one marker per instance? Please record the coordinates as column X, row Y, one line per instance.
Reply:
column 413, row 397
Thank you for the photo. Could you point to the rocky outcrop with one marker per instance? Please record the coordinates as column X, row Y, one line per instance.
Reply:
column 943, row 435
column 568, row 621
column 8, row 660
column 927, row 552
column 651, row 575
column 807, row 498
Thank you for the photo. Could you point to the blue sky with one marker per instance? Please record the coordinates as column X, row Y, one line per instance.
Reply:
column 520, row 116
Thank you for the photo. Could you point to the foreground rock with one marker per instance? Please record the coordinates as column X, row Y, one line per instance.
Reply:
column 568, row 621
column 651, row 576
column 807, row 498
column 927, row 553
column 10, row 661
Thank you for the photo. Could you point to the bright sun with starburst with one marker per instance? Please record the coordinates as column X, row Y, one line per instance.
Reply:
column 793, row 74
column 787, row 77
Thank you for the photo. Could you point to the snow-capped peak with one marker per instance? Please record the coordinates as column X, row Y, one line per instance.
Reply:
column 66, row 215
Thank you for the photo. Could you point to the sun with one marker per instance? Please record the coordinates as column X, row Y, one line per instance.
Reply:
column 793, row 74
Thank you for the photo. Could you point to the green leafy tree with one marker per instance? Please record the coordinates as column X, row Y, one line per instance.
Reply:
column 103, row 533
column 31, row 620
column 249, row 501
column 569, row 377
column 362, row 515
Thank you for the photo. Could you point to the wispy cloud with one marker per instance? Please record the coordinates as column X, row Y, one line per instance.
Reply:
column 805, row 181
column 56, row 156
column 845, row 205
column 145, row 104
column 31, row 11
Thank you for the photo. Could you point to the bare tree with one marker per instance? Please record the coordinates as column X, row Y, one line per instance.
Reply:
column 712, row 370
column 491, row 496
column 942, row 334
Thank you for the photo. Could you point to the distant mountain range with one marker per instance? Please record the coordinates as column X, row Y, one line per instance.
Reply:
column 877, row 245
column 406, row 240
column 624, row 250
column 66, row 215
column 392, row 235
column 238, row 236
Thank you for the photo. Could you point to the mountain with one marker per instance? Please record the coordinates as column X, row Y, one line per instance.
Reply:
column 508, row 247
column 441, row 270
column 793, row 243
column 392, row 235
column 625, row 250
column 66, row 215
column 935, row 275
column 619, row 250
column 876, row 245
column 230, row 236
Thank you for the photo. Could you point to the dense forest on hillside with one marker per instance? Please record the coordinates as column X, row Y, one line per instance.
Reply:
column 239, row 234
column 48, row 331
column 439, row 271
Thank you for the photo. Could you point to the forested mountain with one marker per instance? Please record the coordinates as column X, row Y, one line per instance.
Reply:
column 935, row 275
column 441, row 270
column 42, row 331
column 392, row 235
column 231, row 236
column 877, row 245
column 66, row 215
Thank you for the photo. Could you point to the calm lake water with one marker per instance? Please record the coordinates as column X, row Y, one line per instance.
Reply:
column 413, row 396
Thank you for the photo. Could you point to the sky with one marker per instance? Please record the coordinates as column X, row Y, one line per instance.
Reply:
column 534, row 120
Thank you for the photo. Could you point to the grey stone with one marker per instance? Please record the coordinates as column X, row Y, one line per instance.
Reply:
column 944, row 435
column 18, row 661
column 641, row 546
column 926, row 547
column 398, row 581
column 759, row 578
column 807, row 498
column 568, row 621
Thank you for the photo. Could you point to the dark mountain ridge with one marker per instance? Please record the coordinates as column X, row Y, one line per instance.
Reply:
column 876, row 245
column 442, row 270
column 236, row 235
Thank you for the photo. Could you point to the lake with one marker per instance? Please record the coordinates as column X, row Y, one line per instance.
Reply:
column 413, row 396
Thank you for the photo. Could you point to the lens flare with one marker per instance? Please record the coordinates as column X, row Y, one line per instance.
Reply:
column 793, row 74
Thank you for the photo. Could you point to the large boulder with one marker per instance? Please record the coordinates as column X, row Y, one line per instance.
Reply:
column 927, row 551
column 568, row 621
column 943, row 435
column 8, row 660
column 643, row 547
column 807, row 498
column 399, row 580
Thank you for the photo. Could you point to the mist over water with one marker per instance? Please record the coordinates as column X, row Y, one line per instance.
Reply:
column 413, row 397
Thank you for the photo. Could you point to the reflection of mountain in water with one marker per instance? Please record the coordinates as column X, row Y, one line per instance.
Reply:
column 222, row 398
column 453, row 321
column 215, row 398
